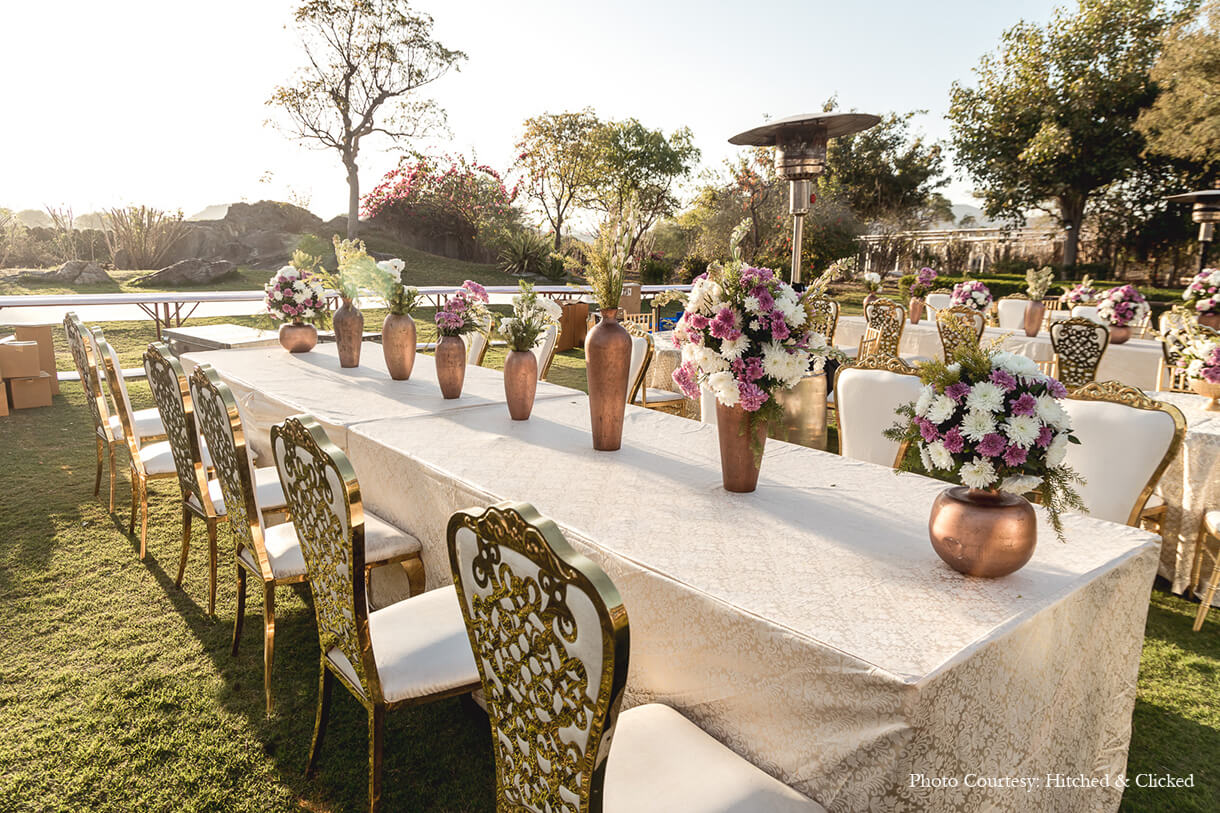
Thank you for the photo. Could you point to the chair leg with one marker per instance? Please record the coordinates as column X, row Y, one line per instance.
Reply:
column 416, row 578
column 1196, row 567
column 135, row 494
column 143, row 517
column 97, row 480
column 213, row 555
column 1211, row 588
column 112, row 474
column 186, row 544
column 326, row 682
column 376, row 736
column 241, row 608
column 268, row 638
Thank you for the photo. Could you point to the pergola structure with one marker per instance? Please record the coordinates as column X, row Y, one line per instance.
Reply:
column 975, row 249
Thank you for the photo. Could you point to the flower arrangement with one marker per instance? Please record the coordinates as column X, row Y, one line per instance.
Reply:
column 1200, row 358
column 971, row 294
column 608, row 257
column 1122, row 306
column 842, row 269
column 925, row 280
column 1203, row 292
column 294, row 293
column 872, row 281
column 990, row 420
column 745, row 334
column 1082, row 294
column 1037, row 283
column 528, row 321
column 465, row 311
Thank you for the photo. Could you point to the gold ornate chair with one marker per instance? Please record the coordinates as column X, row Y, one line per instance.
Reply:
column 957, row 327
column 886, row 320
column 825, row 317
column 1079, row 343
column 643, row 350
column 410, row 652
column 147, row 422
column 1209, row 528
column 643, row 320
column 476, row 344
column 866, row 395
column 1126, row 441
column 149, row 461
column 551, row 641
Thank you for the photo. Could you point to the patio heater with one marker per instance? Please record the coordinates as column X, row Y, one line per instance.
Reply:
column 1205, row 212
column 800, row 156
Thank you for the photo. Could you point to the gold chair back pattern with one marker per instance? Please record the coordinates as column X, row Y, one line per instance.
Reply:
column 958, row 327
column 550, row 638
column 168, row 383
column 825, row 313
column 1079, row 344
column 885, row 320
column 86, row 367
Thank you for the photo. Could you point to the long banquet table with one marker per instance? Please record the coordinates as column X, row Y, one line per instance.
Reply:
column 809, row 625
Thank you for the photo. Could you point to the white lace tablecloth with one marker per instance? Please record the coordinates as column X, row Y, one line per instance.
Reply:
column 1135, row 362
column 665, row 359
column 809, row 625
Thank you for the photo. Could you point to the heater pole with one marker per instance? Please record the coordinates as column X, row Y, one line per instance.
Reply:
column 798, row 233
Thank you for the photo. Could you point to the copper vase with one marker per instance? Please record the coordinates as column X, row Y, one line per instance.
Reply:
column 915, row 308
column 869, row 298
column 298, row 337
column 520, row 383
column 1211, row 320
column 451, row 365
column 398, row 345
column 607, row 361
column 349, row 333
column 1034, row 313
column 1209, row 391
column 1118, row 335
column 738, row 465
column 982, row 533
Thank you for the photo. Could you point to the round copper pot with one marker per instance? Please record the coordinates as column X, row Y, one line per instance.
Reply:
column 520, row 383
column 1034, row 313
column 738, row 466
column 869, row 298
column 1211, row 320
column 349, row 333
column 915, row 308
column 451, row 365
column 1208, row 390
column 607, row 363
column 298, row 337
column 1118, row 335
column 398, row 345
column 982, row 533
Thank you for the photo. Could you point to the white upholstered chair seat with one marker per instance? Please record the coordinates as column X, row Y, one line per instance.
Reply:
column 157, row 458
column 147, row 424
column 381, row 541
column 659, row 760
column 420, row 647
column 865, row 401
column 658, row 396
column 1011, row 313
column 268, row 491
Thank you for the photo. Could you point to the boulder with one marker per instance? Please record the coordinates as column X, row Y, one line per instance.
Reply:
column 74, row 272
column 269, row 215
column 189, row 272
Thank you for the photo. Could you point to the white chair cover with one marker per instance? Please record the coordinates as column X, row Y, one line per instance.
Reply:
column 545, row 347
column 639, row 349
column 938, row 301
column 1087, row 312
column 1012, row 313
column 866, row 400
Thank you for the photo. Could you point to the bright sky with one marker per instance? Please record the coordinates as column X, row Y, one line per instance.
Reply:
column 162, row 103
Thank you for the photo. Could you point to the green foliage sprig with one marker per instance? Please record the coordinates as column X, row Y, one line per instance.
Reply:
column 528, row 321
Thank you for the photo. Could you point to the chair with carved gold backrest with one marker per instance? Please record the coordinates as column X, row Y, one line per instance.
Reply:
column 885, row 319
column 1010, row 311
column 551, row 642
column 1126, row 441
column 958, row 327
column 86, row 368
column 1053, row 310
column 937, row 300
column 866, row 396
column 825, row 317
column 410, row 652
column 1079, row 344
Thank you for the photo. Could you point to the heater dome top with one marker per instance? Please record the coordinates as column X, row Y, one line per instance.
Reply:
column 832, row 124
column 1202, row 196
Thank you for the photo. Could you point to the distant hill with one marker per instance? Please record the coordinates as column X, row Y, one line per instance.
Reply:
column 33, row 218
column 216, row 211
column 965, row 210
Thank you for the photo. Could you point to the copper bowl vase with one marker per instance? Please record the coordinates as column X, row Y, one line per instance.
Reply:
column 1118, row 335
column 1211, row 320
column 298, row 337
column 398, row 345
column 520, row 383
column 982, row 533
column 1208, row 390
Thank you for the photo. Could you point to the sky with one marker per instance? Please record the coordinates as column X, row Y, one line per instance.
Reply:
column 163, row 103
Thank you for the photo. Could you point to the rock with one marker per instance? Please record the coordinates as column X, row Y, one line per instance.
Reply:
column 189, row 272
column 74, row 272
column 269, row 215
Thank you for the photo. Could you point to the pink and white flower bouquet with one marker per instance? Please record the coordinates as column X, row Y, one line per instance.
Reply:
column 465, row 311
column 1203, row 292
column 1200, row 358
column 745, row 334
column 1082, row 294
column 1122, row 306
column 295, row 294
column 992, row 421
column 925, row 278
column 971, row 294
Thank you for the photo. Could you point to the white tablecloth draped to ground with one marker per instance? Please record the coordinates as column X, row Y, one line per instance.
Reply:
column 1135, row 362
column 809, row 625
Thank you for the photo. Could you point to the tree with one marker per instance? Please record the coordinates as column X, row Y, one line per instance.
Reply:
column 367, row 59
column 558, row 157
column 1052, row 118
column 1184, row 121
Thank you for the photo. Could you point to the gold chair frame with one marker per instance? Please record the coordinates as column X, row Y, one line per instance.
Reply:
column 876, row 361
column 886, row 320
column 342, row 626
column 1196, row 572
column 825, row 312
column 954, row 331
column 519, row 527
column 86, row 367
column 1073, row 365
column 545, row 368
column 645, row 320
column 637, row 392
column 1115, row 392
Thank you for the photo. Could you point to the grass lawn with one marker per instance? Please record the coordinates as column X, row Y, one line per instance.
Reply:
column 117, row 691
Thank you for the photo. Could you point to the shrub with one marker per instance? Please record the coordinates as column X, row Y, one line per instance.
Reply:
column 556, row 267
column 141, row 236
column 655, row 269
column 691, row 267
column 524, row 251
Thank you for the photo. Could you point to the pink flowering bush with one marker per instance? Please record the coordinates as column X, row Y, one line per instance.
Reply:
column 1122, row 306
column 971, row 294
column 1203, row 292
column 294, row 294
column 465, row 311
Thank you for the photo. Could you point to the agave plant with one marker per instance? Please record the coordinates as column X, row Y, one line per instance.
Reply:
column 524, row 251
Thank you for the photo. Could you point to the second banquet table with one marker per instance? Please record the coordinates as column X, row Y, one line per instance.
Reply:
column 809, row 625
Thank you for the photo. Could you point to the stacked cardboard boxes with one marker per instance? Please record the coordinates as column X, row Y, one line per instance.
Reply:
column 26, row 383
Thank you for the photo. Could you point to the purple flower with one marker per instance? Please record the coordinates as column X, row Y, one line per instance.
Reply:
column 1015, row 455
column 779, row 328
column 954, row 442
column 697, row 321
column 684, row 377
column 724, row 325
column 927, row 430
column 476, row 290
column 752, row 396
column 1045, row 436
column 958, row 391
column 1025, row 405
column 765, row 301
column 1056, row 389
column 753, row 369
column 991, row 445
column 1003, row 379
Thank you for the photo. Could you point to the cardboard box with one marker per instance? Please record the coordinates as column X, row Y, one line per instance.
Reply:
column 26, row 393
column 20, row 360
column 46, row 349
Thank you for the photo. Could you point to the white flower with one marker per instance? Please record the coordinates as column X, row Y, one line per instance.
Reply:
column 394, row 266
column 732, row 349
column 708, row 360
column 979, row 473
column 751, row 305
column 942, row 409
column 1052, row 413
column 1022, row 430
column 816, row 341
column 873, row 277
column 754, row 324
column 955, row 367
column 986, row 397
column 1020, row 483
column 1195, row 369
column 782, row 365
column 1015, row 364
column 724, row 387
column 1057, row 451
column 702, row 293
column 941, row 457
column 276, row 293
column 288, row 272
column 977, row 424
column 925, row 458
column 926, row 396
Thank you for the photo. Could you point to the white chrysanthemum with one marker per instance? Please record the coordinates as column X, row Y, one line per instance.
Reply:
column 926, row 396
column 1022, row 430
column 751, row 305
column 985, row 397
column 1057, row 451
column 732, row 349
column 782, row 365
column 276, row 293
column 724, row 387
column 1020, row 483
column 924, row 457
column 1051, row 412
column 708, row 360
column 942, row 409
column 1195, row 368
column 816, row 341
column 978, row 473
column 977, row 424
column 701, row 295
column 1015, row 363
column 394, row 266
column 288, row 272
column 941, row 457
column 955, row 367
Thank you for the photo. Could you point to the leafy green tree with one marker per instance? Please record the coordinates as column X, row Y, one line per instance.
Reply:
column 366, row 61
column 1052, row 118
column 559, row 159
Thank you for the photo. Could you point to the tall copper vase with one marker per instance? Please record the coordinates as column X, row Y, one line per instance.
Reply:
column 1211, row 320
column 349, row 333
column 520, row 383
column 298, row 337
column 451, row 365
column 738, row 466
column 982, row 533
column 607, row 361
column 915, row 309
column 1034, row 313
column 398, row 345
